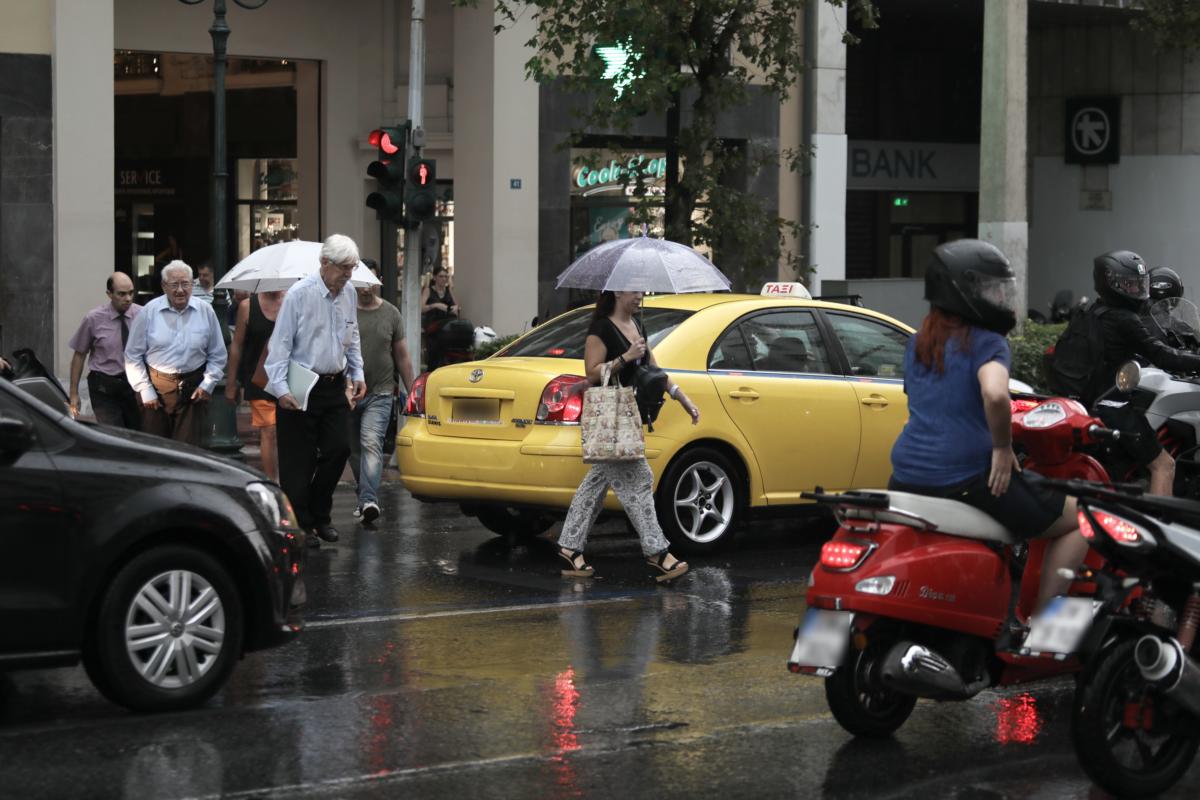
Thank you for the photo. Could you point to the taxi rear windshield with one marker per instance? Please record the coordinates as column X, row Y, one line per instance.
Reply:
column 564, row 337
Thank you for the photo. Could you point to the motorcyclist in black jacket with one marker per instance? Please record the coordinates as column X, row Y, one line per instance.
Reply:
column 1123, row 286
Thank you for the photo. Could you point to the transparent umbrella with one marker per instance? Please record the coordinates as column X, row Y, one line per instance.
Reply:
column 643, row 264
column 278, row 266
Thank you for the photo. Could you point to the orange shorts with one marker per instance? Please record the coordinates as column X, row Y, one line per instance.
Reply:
column 262, row 413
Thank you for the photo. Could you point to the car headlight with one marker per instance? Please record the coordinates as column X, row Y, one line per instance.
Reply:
column 273, row 504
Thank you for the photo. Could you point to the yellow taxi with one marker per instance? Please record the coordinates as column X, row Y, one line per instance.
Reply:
column 793, row 393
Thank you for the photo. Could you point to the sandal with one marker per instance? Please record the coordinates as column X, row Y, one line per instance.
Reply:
column 578, row 568
column 669, row 571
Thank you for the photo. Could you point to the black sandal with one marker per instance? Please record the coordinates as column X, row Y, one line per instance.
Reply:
column 578, row 568
column 676, row 568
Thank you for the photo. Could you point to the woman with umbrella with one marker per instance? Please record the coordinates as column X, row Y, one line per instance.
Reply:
column 624, row 270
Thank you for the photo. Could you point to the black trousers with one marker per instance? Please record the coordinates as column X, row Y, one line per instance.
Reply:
column 113, row 400
column 313, row 448
column 176, row 417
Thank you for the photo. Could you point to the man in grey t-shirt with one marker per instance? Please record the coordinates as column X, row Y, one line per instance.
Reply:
column 381, row 330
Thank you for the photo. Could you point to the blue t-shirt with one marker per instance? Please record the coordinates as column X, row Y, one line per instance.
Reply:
column 946, row 440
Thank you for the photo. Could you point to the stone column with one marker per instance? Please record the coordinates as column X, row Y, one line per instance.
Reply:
column 84, row 165
column 825, row 109
column 495, row 145
column 1003, row 215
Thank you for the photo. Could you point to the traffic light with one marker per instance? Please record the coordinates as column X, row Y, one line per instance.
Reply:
column 388, row 197
column 420, row 190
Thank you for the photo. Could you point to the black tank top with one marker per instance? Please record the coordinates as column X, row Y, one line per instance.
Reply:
column 615, row 344
column 436, row 314
column 258, row 333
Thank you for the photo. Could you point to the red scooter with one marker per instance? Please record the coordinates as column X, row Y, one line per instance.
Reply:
column 912, row 593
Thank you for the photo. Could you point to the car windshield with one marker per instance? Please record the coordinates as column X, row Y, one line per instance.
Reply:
column 564, row 337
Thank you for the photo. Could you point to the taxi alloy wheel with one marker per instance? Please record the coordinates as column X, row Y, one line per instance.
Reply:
column 699, row 500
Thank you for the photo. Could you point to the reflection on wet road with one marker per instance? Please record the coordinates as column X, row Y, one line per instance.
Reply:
column 440, row 662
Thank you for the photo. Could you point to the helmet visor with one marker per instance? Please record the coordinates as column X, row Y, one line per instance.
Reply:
column 999, row 293
column 1135, row 287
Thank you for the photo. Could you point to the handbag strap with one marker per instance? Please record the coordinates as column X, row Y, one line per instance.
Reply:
column 605, row 373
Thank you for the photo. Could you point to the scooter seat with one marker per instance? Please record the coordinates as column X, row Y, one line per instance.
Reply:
column 951, row 517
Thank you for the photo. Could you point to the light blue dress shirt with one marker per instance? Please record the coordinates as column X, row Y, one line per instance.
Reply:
column 316, row 330
column 174, row 341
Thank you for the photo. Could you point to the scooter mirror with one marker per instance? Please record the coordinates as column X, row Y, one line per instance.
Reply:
column 1128, row 376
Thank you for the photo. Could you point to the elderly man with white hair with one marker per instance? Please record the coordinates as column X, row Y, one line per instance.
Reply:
column 174, row 358
column 317, row 328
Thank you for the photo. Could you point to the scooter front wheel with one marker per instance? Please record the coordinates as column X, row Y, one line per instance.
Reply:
column 858, row 699
column 1127, row 738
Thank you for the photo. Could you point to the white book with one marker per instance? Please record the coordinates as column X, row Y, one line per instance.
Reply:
column 300, row 380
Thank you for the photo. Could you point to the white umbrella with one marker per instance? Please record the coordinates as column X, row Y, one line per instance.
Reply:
column 643, row 264
column 276, row 267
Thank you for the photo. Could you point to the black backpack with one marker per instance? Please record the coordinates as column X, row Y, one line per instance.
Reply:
column 1075, row 367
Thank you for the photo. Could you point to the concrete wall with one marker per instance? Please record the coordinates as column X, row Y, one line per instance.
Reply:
column 27, row 26
column 1154, row 191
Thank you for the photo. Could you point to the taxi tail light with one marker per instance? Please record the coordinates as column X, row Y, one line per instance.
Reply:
column 562, row 399
column 844, row 556
column 415, row 406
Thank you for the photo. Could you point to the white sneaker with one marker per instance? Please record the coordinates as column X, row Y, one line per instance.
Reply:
column 358, row 513
column 370, row 512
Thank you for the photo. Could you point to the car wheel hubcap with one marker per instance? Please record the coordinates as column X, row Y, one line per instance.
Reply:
column 175, row 629
column 704, row 502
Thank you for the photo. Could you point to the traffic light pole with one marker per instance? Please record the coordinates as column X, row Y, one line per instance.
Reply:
column 412, row 235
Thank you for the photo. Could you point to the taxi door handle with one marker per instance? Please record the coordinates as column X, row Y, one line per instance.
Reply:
column 744, row 394
column 876, row 400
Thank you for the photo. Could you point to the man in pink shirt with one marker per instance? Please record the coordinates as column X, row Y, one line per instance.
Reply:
column 102, row 335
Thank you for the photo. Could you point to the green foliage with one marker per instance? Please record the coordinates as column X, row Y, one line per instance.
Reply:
column 706, row 51
column 488, row 348
column 1028, row 348
column 1172, row 24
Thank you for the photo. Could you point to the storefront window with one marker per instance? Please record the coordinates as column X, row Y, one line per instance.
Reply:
column 267, row 193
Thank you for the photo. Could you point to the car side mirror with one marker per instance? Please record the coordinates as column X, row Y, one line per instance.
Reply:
column 16, row 435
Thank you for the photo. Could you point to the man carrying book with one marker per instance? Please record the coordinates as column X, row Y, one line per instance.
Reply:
column 314, row 367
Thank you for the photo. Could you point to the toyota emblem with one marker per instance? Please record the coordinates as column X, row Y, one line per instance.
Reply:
column 476, row 375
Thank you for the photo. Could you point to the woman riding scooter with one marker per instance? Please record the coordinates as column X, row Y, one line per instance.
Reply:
column 957, row 442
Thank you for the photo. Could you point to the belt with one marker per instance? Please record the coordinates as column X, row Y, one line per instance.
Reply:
column 333, row 376
column 99, row 374
column 175, row 376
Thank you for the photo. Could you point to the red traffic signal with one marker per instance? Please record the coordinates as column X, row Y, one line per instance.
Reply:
column 421, row 174
column 388, row 140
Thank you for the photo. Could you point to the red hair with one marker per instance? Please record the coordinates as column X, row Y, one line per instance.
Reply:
column 936, row 330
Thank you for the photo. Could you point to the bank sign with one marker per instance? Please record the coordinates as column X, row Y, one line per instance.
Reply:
column 619, row 175
column 1093, row 132
column 912, row 166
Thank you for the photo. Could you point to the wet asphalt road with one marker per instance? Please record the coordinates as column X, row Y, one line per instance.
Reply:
column 439, row 662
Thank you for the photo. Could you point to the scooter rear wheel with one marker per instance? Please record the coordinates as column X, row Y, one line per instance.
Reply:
column 1139, row 760
column 858, row 699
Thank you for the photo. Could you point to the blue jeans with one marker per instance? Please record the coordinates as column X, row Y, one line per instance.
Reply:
column 370, row 421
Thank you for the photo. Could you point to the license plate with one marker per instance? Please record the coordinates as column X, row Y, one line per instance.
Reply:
column 822, row 640
column 1060, row 627
column 474, row 411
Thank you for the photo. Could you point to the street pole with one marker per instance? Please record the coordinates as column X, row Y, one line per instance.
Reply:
column 222, row 417
column 412, row 235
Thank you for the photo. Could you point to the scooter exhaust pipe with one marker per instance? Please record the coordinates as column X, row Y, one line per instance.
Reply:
column 1165, row 664
column 917, row 670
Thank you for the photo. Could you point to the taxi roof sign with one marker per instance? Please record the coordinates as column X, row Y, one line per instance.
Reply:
column 781, row 289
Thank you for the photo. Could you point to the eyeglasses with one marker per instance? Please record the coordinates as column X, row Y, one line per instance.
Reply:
column 177, row 285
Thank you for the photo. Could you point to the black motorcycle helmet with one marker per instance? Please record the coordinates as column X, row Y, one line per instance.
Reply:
column 973, row 279
column 1165, row 282
column 1120, row 277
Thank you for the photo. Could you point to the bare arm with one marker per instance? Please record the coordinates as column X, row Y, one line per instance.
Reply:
column 997, row 409
column 236, row 344
column 402, row 361
column 76, row 373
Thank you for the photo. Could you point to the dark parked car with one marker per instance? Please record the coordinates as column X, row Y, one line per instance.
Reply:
column 157, row 564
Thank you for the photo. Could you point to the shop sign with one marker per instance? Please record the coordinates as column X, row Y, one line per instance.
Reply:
column 143, row 181
column 1093, row 130
column 912, row 166
column 620, row 176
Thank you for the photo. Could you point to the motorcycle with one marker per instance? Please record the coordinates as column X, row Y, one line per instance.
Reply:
column 1135, row 721
column 913, row 594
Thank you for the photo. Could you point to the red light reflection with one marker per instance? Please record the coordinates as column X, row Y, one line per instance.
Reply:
column 564, row 705
column 1017, row 720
